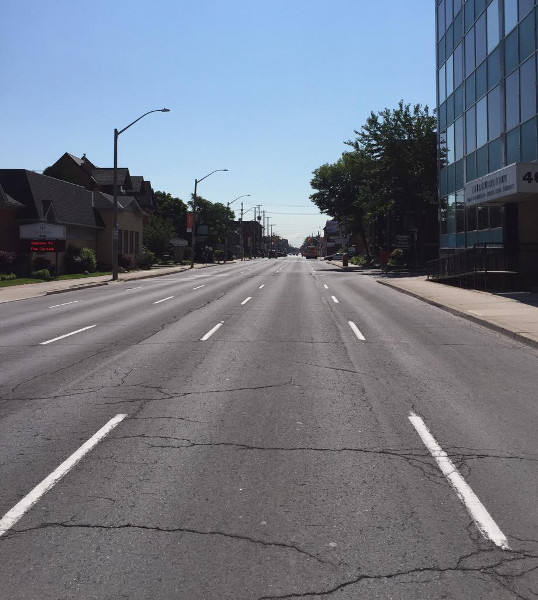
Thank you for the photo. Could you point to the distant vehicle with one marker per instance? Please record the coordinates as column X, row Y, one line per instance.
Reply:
column 337, row 256
column 311, row 252
column 272, row 254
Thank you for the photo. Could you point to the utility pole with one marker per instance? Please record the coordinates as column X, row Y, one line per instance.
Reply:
column 241, row 234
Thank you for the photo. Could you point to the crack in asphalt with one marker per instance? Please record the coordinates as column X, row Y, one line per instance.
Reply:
column 187, row 530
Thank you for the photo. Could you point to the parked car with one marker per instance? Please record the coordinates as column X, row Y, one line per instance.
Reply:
column 337, row 256
column 272, row 254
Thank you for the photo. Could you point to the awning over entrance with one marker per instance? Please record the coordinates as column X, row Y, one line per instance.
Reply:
column 515, row 183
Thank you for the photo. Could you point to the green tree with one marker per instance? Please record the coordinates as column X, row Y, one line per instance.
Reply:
column 218, row 218
column 173, row 209
column 158, row 233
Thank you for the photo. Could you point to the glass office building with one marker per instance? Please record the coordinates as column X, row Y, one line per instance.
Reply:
column 487, row 122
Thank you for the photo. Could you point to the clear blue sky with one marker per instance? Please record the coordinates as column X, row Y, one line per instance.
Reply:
column 269, row 89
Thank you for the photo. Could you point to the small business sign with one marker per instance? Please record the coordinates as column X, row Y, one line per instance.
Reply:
column 42, row 231
column 509, row 184
column 403, row 241
column 42, row 245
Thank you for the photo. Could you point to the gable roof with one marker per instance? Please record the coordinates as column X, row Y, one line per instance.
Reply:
column 43, row 197
column 7, row 201
column 104, row 201
column 105, row 177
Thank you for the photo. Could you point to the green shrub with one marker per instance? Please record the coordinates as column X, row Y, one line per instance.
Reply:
column 41, row 274
column 219, row 255
column 145, row 259
column 7, row 258
column 88, row 260
column 7, row 276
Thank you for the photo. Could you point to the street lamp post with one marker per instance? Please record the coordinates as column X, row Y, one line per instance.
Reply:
column 115, row 232
column 196, row 182
column 226, row 235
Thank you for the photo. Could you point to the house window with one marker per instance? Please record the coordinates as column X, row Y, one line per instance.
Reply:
column 137, row 242
column 131, row 242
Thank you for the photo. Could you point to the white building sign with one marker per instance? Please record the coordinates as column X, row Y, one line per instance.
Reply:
column 42, row 231
column 510, row 184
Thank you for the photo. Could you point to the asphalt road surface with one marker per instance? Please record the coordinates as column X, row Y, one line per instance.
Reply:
column 264, row 430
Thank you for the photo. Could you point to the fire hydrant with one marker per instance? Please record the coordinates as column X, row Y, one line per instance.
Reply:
column 344, row 260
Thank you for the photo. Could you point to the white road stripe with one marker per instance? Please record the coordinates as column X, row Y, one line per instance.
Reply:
column 210, row 333
column 12, row 516
column 135, row 288
column 477, row 510
column 335, row 299
column 356, row 331
column 61, row 337
column 246, row 300
column 261, row 286
column 325, row 286
column 198, row 287
column 64, row 304
column 163, row 300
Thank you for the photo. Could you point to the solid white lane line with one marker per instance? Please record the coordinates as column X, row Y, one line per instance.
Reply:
column 246, row 300
column 335, row 299
column 64, row 304
column 477, row 510
column 325, row 286
column 163, row 300
column 356, row 331
column 61, row 337
column 210, row 333
column 198, row 287
column 12, row 516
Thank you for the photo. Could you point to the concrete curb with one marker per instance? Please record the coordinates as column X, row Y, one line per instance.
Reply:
column 458, row 313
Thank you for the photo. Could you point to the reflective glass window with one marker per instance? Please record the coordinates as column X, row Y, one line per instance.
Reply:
column 493, row 25
column 458, row 65
column 458, row 139
column 479, row 6
column 450, row 179
column 449, row 75
column 527, row 83
column 441, row 115
column 480, row 39
column 470, row 167
column 451, row 213
column 457, row 6
column 459, row 175
column 450, row 110
column 469, row 52
column 512, row 100
column 524, row 7
column 450, row 144
column 481, row 122
column 458, row 28
column 469, row 14
column 495, row 216
column 510, row 15
column 494, row 69
column 441, row 51
column 511, row 56
column 458, row 102
column 449, row 11
column 526, row 37
column 481, row 80
column 471, row 218
column 441, row 19
column 449, row 40
column 482, row 213
column 528, row 141
column 512, row 146
column 494, row 113
column 470, row 130
column 442, row 84
column 469, row 91
column 443, row 214
column 495, row 155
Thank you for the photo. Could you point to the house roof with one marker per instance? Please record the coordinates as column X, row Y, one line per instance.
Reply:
column 105, row 177
column 137, row 183
column 45, row 197
column 7, row 201
column 125, row 203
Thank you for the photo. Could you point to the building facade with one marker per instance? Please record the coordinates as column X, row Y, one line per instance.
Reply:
column 487, row 122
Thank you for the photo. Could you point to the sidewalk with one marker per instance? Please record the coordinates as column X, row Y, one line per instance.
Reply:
column 514, row 314
column 33, row 290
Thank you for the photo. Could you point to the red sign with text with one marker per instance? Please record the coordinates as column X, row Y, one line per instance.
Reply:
column 43, row 245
